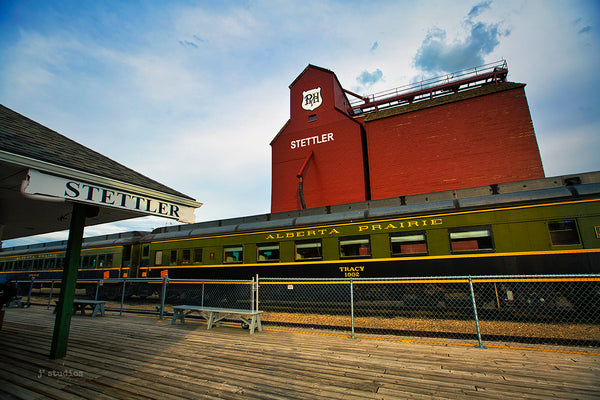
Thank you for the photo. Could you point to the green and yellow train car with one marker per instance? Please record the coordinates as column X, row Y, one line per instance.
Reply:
column 102, row 257
column 547, row 231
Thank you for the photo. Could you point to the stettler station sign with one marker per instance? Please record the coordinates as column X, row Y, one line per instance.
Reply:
column 43, row 189
column 49, row 187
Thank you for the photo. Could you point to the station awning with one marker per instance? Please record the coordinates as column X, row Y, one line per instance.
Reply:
column 49, row 183
column 42, row 172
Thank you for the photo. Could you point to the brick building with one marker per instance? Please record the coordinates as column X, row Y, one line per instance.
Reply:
column 445, row 134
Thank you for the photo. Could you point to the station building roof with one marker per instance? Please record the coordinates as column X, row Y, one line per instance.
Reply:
column 26, row 144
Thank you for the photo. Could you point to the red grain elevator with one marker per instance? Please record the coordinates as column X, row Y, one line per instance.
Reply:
column 444, row 134
column 321, row 143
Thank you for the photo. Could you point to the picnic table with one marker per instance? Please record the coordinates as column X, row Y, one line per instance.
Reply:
column 214, row 315
column 96, row 306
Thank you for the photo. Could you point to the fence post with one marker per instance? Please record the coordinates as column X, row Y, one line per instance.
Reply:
column 29, row 294
column 97, row 289
column 475, row 312
column 123, row 296
column 163, row 294
column 50, row 297
column 202, row 301
column 252, row 294
column 256, row 303
column 352, row 309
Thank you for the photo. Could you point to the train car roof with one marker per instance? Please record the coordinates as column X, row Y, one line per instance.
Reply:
column 560, row 188
column 115, row 239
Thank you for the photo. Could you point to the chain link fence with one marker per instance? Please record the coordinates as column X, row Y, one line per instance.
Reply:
column 563, row 310
column 534, row 310
column 148, row 295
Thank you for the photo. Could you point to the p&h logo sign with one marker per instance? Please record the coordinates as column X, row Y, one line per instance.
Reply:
column 311, row 99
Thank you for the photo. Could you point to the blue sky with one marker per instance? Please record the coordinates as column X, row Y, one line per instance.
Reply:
column 190, row 93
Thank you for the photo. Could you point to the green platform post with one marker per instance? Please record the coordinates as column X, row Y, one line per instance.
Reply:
column 64, row 309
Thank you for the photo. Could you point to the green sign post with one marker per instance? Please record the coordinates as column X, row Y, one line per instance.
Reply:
column 64, row 308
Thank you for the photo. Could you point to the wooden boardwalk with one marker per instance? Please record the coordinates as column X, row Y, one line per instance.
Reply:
column 141, row 357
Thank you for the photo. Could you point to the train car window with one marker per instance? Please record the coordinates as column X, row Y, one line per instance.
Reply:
column 158, row 257
column 233, row 254
column 413, row 243
column 267, row 252
column 173, row 257
column 27, row 265
column 145, row 250
column 356, row 246
column 471, row 239
column 126, row 253
column 197, row 256
column 186, row 256
column 101, row 260
column 91, row 261
column 563, row 233
column 109, row 260
column 309, row 250
column 37, row 263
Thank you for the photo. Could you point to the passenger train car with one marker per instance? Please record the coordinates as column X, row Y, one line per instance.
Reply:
column 102, row 257
column 538, row 227
column 547, row 226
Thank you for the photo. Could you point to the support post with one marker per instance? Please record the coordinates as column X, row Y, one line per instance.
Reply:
column 202, row 301
column 163, row 295
column 256, row 293
column 475, row 312
column 352, row 309
column 123, row 296
column 64, row 308
column 252, row 295
column 50, row 297
column 97, row 288
column 28, row 304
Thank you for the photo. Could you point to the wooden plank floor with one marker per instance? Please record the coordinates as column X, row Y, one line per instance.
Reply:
column 141, row 357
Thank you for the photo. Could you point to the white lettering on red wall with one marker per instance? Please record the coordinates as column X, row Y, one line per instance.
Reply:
column 309, row 141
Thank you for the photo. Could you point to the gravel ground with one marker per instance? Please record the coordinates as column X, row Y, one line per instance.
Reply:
column 464, row 327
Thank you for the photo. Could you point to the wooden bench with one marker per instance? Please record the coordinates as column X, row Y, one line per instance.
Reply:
column 16, row 302
column 213, row 315
column 97, row 306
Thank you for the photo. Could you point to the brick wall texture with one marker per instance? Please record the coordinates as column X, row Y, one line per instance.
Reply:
column 477, row 141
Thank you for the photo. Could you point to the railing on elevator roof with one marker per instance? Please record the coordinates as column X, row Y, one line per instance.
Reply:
column 429, row 88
